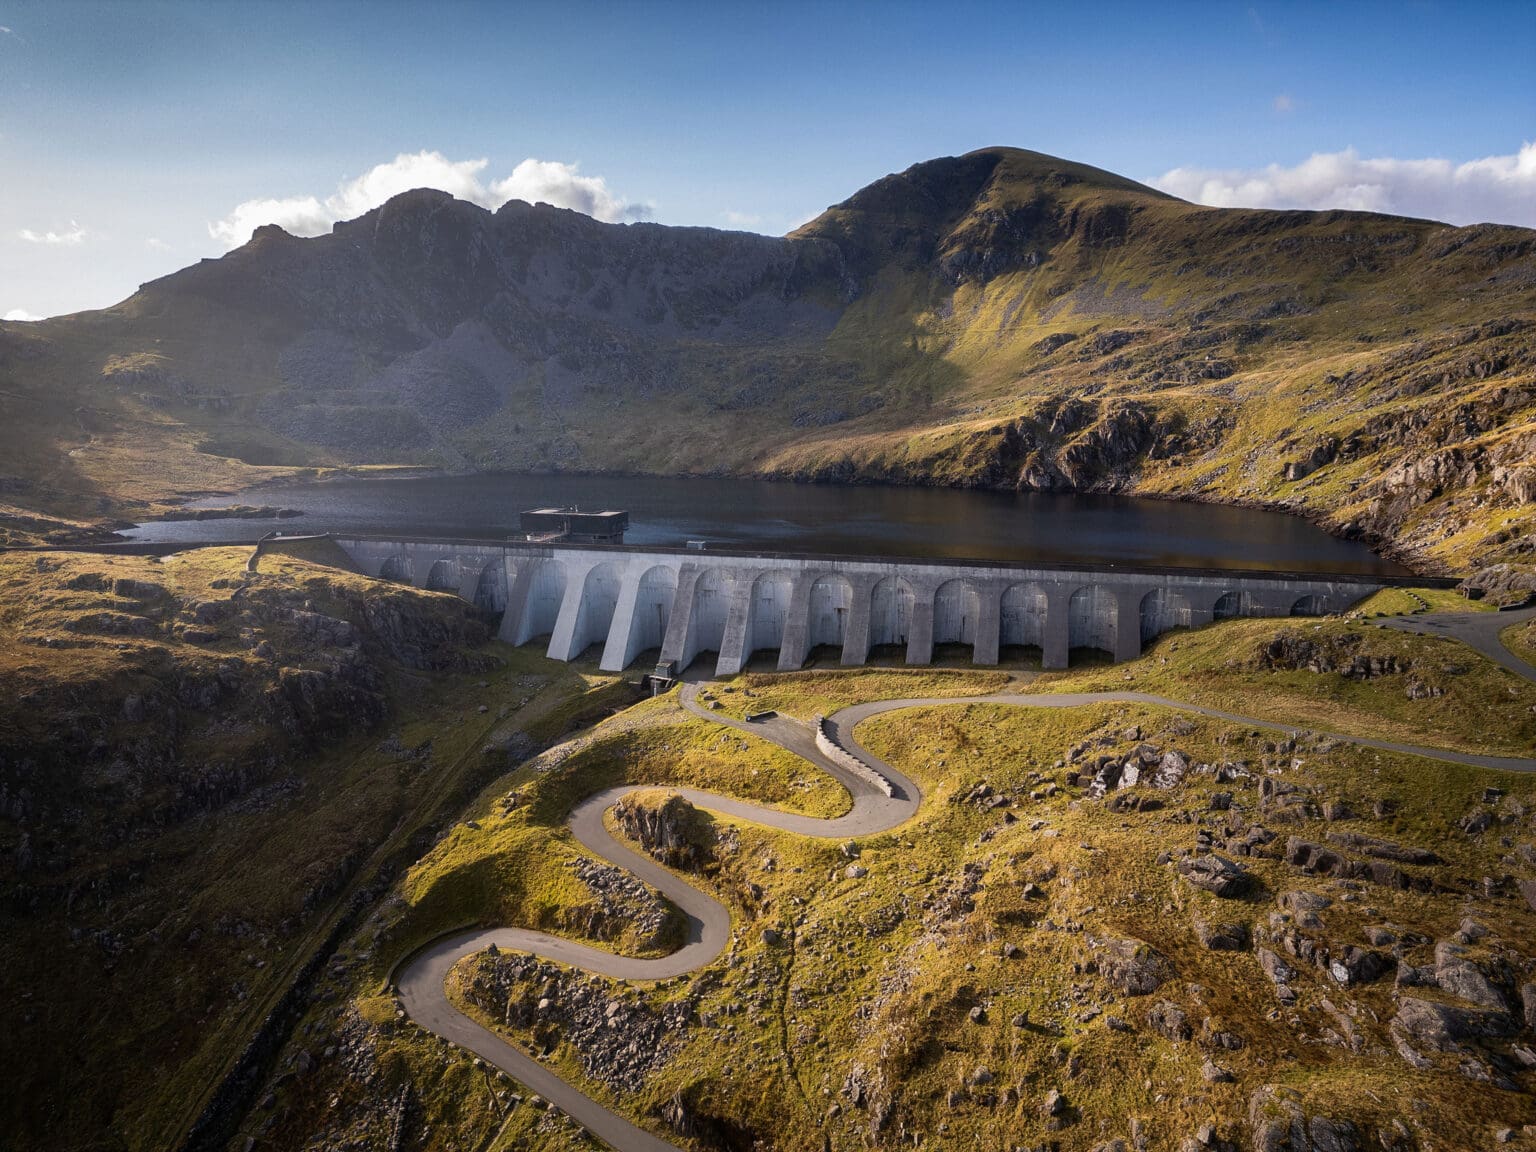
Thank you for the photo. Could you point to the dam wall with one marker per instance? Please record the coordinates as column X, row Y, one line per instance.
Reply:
column 625, row 600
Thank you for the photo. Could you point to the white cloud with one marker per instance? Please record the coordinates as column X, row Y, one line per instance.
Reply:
column 1284, row 103
column 1500, row 189
column 301, row 215
column 561, row 185
column 533, row 180
column 156, row 243
column 742, row 219
column 19, row 314
column 75, row 235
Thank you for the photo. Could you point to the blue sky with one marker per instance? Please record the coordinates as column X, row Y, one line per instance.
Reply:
column 130, row 133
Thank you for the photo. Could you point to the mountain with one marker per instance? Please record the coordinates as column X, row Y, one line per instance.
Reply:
column 1000, row 319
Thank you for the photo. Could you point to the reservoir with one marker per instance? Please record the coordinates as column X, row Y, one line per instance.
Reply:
column 938, row 523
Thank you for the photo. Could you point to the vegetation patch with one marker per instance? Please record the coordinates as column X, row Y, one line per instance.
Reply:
column 1521, row 640
column 1334, row 675
column 1045, row 968
column 804, row 695
column 202, row 771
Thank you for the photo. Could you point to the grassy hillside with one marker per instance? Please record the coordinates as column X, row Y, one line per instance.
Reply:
column 1025, row 964
column 1002, row 319
column 205, row 773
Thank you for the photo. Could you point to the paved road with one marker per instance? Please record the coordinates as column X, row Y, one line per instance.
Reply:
column 421, row 978
column 1477, row 630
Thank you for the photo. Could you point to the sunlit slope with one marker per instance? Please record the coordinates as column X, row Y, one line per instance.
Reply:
column 1001, row 319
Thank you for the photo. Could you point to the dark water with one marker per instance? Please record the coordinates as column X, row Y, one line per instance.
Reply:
column 865, row 521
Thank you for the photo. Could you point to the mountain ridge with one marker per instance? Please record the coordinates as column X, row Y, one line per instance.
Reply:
column 1000, row 319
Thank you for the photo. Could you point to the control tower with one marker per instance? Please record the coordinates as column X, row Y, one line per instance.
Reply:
column 573, row 526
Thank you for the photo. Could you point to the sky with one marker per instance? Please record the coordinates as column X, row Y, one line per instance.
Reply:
column 139, row 137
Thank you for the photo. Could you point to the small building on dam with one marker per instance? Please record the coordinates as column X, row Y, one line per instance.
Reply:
column 683, row 604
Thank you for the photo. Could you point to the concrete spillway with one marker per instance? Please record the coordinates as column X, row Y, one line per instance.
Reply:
column 628, row 600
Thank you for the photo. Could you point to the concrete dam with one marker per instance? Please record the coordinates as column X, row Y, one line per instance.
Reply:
column 686, row 602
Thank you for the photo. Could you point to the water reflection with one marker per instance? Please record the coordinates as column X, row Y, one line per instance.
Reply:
column 873, row 521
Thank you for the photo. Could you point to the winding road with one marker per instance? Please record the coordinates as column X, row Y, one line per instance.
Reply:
column 1477, row 630
column 420, row 979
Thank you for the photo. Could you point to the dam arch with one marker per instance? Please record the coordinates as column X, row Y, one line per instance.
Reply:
column 396, row 568
column 443, row 576
column 771, row 594
column 599, row 600
column 830, row 608
column 653, row 607
column 1230, row 605
column 1022, row 616
column 709, row 608
column 956, row 611
column 890, row 612
column 491, row 587
column 1163, row 610
column 1093, row 619
column 642, row 616
column 545, row 583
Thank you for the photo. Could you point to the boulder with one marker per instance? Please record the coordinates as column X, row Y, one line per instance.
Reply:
column 1222, row 937
column 1528, row 890
column 1136, row 969
column 1278, row 1123
column 1214, row 874
column 1460, row 976
column 1444, row 1027
column 1171, row 770
column 131, row 589
column 1274, row 967
column 1361, row 966
column 1167, row 1019
column 671, row 829
column 1106, row 777
column 1299, row 900
column 1383, row 849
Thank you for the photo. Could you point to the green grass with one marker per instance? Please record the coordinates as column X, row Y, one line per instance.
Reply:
column 1412, row 601
column 794, row 1033
column 1521, row 640
column 803, row 695
column 197, row 921
column 361, row 803
column 509, row 863
column 1484, row 709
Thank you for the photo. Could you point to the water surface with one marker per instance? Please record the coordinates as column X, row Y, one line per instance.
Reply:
column 1047, row 528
